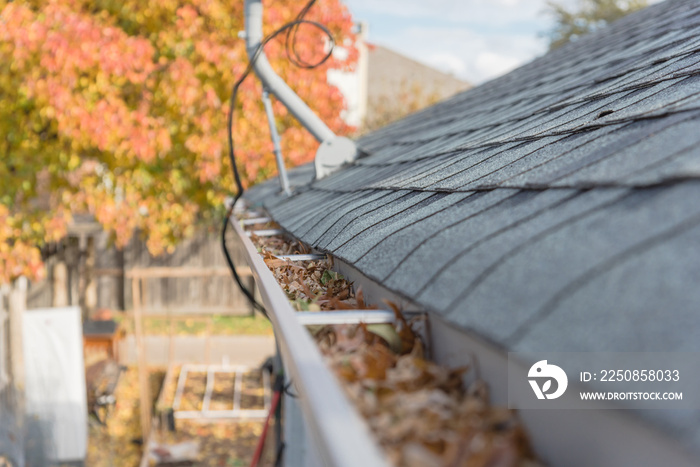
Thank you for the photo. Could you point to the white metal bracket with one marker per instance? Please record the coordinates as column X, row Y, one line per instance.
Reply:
column 334, row 150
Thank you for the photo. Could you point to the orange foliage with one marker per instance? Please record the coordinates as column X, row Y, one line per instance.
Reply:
column 118, row 109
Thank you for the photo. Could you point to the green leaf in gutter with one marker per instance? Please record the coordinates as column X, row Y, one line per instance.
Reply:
column 329, row 275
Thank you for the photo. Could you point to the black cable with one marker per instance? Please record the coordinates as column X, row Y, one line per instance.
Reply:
column 293, row 56
column 249, row 295
column 291, row 38
column 286, row 391
column 280, row 453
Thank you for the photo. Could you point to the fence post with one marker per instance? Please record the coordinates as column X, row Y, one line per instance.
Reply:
column 4, row 340
column 59, row 284
column 18, row 304
column 144, row 393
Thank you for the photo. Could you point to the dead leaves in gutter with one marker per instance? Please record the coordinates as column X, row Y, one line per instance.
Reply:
column 309, row 285
column 421, row 412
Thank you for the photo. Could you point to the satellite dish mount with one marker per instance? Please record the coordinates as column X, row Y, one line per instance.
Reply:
column 334, row 151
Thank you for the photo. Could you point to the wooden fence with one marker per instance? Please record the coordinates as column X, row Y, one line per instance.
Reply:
column 93, row 274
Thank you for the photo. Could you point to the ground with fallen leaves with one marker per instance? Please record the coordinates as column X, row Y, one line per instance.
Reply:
column 224, row 325
column 118, row 443
column 229, row 444
column 222, row 443
column 422, row 413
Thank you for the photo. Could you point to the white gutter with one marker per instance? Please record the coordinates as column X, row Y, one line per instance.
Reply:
column 339, row 435
column 575, row 438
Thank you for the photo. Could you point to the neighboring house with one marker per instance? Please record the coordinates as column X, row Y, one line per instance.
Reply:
column 556, row 208
column 387, row 85
column 398, row 85
column 389, row 71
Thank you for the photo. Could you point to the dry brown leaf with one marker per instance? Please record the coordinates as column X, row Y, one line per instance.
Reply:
column 275, row 263
column 360, row 297
column 373, row 361
column 417, row 455
column 408, row 337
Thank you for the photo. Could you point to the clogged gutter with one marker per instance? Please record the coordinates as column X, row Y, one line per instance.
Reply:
column 421, row 413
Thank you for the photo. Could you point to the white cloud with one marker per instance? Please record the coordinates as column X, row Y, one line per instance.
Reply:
column 473, row 39
column 490, row 64
column 493, row 12
column 469, row 55
column 449, row 63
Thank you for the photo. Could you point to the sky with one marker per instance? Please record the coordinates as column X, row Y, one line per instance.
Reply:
column 475, row 40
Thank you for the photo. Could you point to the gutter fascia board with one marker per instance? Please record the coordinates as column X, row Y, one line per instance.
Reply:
column 342, row 436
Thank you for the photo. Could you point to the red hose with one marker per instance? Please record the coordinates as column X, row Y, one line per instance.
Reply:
column 261, row 442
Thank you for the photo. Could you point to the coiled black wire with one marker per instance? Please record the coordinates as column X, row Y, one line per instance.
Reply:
column 291, row 29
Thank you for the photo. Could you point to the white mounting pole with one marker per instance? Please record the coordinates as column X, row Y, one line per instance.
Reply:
column 334, row 150
column 284, row 181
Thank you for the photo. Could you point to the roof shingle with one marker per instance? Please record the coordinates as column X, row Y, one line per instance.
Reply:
column 553, row 209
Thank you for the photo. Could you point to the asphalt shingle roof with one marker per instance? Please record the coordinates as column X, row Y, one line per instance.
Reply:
column 556, row 208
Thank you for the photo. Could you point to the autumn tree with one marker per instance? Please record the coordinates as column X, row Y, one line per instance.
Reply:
column 118, row 109
column 570, row 24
